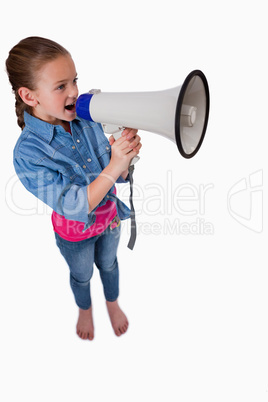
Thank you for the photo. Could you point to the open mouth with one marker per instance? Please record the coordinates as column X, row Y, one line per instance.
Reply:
column 70, row 107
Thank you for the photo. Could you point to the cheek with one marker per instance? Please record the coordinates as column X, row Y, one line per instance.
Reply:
column 57, row 102
column 45, row 99
column 51, row 101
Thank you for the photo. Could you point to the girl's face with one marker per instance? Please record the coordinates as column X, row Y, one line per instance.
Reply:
column 56, row 91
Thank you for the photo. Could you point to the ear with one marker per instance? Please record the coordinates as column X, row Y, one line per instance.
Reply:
column 28, row 96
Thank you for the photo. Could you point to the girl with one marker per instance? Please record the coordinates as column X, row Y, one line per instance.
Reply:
column 69, row 164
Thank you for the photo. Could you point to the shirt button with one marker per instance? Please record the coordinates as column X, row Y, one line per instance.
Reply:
column 73, row 147
column 78, row 141
column 89, row 160
column 84, row 166
column 107, row 148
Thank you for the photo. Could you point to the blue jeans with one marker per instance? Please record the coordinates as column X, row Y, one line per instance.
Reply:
column 80, row 257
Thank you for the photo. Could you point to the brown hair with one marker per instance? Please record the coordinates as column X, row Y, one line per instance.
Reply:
column 23, row 63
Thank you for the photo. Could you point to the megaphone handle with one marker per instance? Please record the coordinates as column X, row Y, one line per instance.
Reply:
column 116, row 132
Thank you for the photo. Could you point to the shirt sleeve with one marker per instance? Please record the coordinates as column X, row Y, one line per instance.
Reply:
column 54, row 189
column 121, row 180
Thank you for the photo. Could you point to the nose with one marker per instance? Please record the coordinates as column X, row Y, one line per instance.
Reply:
column 73, row 92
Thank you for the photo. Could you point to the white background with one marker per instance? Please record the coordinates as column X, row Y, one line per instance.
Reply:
column 195, row 293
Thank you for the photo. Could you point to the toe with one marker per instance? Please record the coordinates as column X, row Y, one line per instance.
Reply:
column 118, row 332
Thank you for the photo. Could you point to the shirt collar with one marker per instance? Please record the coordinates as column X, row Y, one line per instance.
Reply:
column 43, row 129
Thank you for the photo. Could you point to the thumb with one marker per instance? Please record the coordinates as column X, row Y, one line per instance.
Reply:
column 111, row 140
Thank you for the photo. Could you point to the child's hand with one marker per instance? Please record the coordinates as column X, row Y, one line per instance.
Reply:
column 125, row 148
column 131, row 135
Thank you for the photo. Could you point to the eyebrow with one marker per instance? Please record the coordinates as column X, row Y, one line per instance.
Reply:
column 64, row 80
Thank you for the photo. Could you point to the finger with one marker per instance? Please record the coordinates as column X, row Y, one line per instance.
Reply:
column 121, row 146
column 111, row 140
column 130, row 133
column 121, row 140
column 126, row 132
column 124, row 144
column 135, row 141
column 132, row 153
column 137, row 148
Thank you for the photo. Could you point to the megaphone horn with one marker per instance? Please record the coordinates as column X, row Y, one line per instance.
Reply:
column 179, row 114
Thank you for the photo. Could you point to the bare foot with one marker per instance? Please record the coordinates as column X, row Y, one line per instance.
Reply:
column 118, row 319
column 85, row 327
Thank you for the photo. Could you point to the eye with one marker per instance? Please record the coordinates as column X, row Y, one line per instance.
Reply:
column 75, row 81
column 61, row 87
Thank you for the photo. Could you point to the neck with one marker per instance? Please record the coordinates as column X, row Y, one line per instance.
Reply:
column 66, row 126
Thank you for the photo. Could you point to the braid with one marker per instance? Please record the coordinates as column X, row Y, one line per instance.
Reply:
column 20, row 108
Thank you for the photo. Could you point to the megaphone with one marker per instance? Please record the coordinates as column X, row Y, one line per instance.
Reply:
column 179, row 114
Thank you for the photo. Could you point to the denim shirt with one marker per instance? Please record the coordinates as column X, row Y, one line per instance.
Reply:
column 57, row 167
